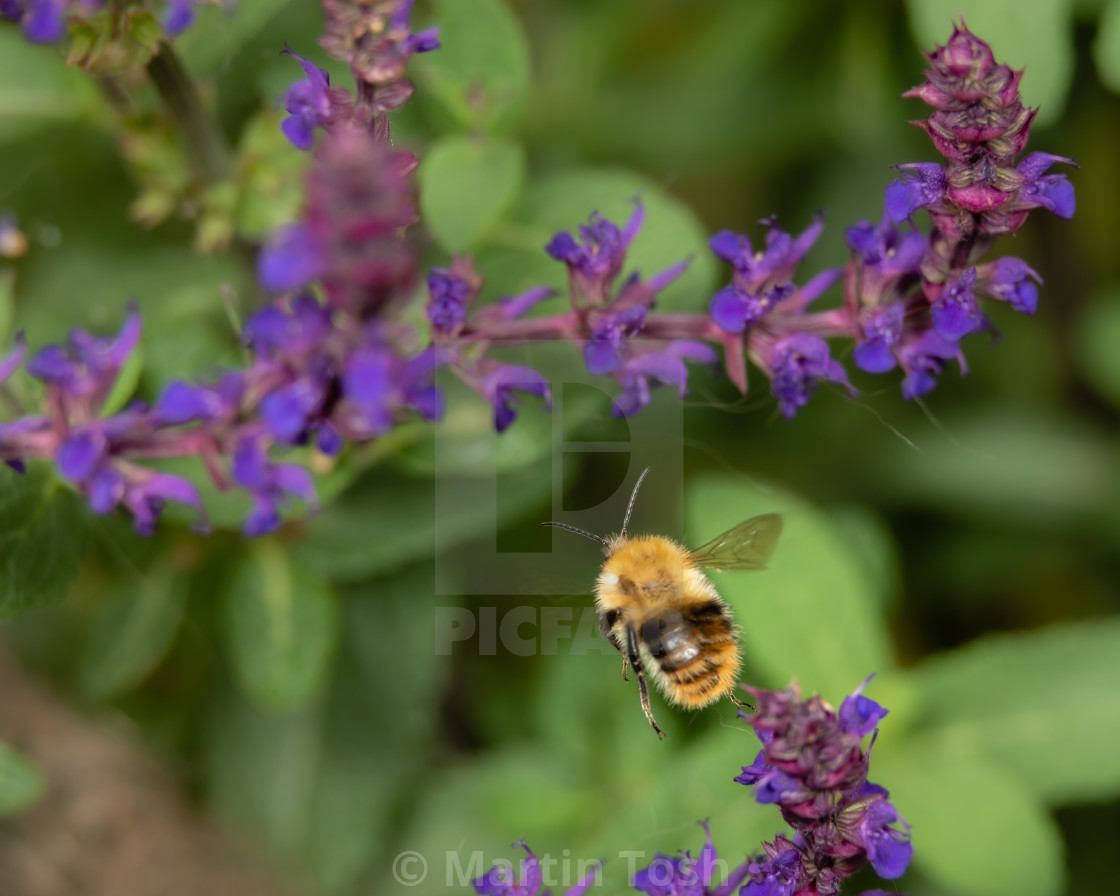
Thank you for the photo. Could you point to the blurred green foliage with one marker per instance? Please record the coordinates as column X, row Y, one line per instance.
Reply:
column 965, row 549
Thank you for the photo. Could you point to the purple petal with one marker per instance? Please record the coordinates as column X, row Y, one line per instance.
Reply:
column 729, row 309
column 914, row 191
column 295, row 480
column 10, row 362
column 81, row 454
column 45, row 21
column 601, row 356
column 874, row 355
column 888, row 846
column 1055, row 193
column 179, row 17
column 291, row 259
column 1035, row 164
column 667, row 276
column 285, row 412
column 424, row 41
column 106, row 491
column 183, row 403
column 777, row 787
column 514, row 306
column 250, row 465
column 328, row 440
column 662, row 366
column 731, row 247
column 52, row 365
column 562, row 247
column 754, row 772
column 263, row 518
column 634, row 225
column 300, row 132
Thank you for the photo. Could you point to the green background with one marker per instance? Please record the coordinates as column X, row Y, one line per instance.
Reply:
column 964, row 548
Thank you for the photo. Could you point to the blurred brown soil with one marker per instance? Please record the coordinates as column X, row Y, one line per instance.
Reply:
column 112, row 822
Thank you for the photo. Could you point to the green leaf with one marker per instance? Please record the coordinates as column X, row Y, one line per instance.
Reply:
column 339, row 540
column 1011, row 463
column 873, row 548
column 218, row 34
column 812, row 613
column 7, row 304
column 1097, row 334
column 1043, row 706
column 480, row 75
column 132, row 629
column 21, row 784
column 467, row 184
column 1042, row 42
column 124, row 386
column 281, row 625
column 272, row 177
column 976, row 830
column 41, row 530
column 36, row 89
column 1106, row 49
column 670, row 233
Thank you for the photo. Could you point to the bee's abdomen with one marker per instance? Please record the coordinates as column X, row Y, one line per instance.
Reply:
column 696, row 652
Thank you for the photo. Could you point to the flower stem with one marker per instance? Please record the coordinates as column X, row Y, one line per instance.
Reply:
column 206, row 144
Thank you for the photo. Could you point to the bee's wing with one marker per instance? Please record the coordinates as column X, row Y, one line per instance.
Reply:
column 747, row 546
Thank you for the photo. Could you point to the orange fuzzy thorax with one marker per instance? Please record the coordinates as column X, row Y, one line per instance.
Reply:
column 649, row 570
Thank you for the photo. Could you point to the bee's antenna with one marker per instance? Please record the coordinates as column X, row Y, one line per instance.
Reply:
column 578, row 531
column 633, row 495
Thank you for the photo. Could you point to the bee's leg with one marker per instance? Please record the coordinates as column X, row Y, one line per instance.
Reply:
column 740, row 703
column 643, row 691
column 606, row 629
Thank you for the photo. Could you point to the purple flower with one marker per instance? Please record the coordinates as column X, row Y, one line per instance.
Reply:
column 270, row 484
column 1052, row 191
column 87, row 458
column 881, row 334
column 1009, row 280
column 291, row 411
column 293, row 334
column 290, row 259
column 499, row 880
column 925, row 187
column 758, row 272
column 86, row 368
column 761, row 283
column 886, row 249
column 666, row 366
column 798, row 363
column 182, row 402
column 376, row 41
column 814, row 767
column 377, row 382
column 602, row 352
column 44, row 21
column 497, row 386
column 359, row 200
column 955, row 312
column 450, row 295
column 886, row 838
column 179, row 17
column 860, row 715
column 736, row 310
column 922, row 355
column 685, row 876
column 307, row 102
column 595, row 262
